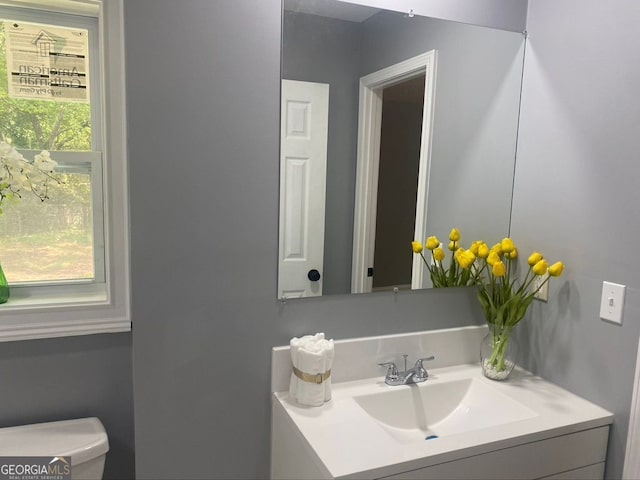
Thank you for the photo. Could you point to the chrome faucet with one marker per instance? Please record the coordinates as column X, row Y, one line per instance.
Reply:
column 416, row 374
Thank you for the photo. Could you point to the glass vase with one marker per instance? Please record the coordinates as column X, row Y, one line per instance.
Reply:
column 4, row 287
column 498, row 353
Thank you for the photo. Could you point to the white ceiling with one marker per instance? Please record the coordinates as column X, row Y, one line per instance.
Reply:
column 331, row 9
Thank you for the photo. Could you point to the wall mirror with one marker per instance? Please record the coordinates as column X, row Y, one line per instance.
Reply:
column 394, row 126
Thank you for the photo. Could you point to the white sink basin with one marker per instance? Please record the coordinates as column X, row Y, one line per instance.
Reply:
column 425, row 411
column 372, row 430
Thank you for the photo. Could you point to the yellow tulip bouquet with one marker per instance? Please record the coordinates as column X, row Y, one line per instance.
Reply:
column 504, row 303
column 457, row 273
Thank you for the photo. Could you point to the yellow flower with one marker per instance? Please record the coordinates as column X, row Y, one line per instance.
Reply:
column 493, row 258
column 474, row 247
column 497, row 248
column 470, row 257
column 534, row 258
column 556, row 269
column 417, row 247
column 453, row 246
column 499, row 269
column 454, row 236
column 432, row 242
column 438, row 254
column 465, row 258
column 541, row 267
column 507, row 245
column 483, row 250
column 513, row 254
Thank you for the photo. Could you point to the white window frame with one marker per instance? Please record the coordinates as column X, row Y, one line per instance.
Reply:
column 103, row 305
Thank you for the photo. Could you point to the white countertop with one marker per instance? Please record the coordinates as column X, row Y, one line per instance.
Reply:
column 347, row 442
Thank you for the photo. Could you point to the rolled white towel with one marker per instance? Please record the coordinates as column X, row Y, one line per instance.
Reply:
column 313, row 355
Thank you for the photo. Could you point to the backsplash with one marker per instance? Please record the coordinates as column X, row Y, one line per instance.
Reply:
column 358, row 358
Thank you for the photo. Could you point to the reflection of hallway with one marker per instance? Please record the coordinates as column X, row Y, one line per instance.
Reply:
column 402, row 109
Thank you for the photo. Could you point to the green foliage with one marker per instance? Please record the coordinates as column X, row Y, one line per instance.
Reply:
column 448, row 276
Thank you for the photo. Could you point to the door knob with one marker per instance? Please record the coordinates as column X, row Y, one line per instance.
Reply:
column 313, row 275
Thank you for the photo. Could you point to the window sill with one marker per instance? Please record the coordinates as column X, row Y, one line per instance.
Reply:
column 54, row 314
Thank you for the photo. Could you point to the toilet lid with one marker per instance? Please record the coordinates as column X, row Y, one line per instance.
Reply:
column 82, row 439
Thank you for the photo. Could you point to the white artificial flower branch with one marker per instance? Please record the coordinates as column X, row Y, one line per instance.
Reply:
column 17, row 174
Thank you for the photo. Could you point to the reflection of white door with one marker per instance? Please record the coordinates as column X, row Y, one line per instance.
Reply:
column 303, row 165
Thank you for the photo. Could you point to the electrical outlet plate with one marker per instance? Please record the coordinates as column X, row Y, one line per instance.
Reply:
column 543, row 293
column 612, row 302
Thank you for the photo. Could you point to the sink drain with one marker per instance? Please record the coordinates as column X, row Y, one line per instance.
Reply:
column 431, row 437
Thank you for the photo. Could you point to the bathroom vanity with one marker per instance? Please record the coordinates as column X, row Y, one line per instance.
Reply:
column 455, row 425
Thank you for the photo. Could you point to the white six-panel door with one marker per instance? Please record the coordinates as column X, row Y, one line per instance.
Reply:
column 303, row 164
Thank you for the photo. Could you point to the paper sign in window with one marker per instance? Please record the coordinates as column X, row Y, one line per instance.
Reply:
column 46, row 62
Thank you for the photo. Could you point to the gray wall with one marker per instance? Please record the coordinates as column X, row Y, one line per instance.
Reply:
column 577, row 196
column 204, row 203
column 73, row 377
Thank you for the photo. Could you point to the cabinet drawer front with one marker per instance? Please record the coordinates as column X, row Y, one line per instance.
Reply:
column 529, row 461
column 592, row 472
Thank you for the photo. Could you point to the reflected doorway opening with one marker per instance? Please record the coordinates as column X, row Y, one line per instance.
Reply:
column 367, row 203
column 400, row 137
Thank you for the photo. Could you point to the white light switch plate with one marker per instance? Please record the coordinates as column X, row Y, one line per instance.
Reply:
column 612, row 302
column 543, row 293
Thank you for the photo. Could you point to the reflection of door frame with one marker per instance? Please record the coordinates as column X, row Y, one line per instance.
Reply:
column 369, row 127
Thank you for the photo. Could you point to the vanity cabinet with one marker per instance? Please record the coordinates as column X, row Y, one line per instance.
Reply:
column 578, row 455
column 456, row 425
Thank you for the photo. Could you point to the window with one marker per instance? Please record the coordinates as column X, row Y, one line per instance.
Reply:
column 66, row 259
column 61, row 239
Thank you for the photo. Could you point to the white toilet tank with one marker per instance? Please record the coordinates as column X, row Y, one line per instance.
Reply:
column 84, row 440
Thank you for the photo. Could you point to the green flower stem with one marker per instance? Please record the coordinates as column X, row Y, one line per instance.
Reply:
column 527, row 281
column 500, row 344
column 453, row 275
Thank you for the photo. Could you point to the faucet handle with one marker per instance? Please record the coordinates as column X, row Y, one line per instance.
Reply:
column 392, row 370
column 421, row 372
